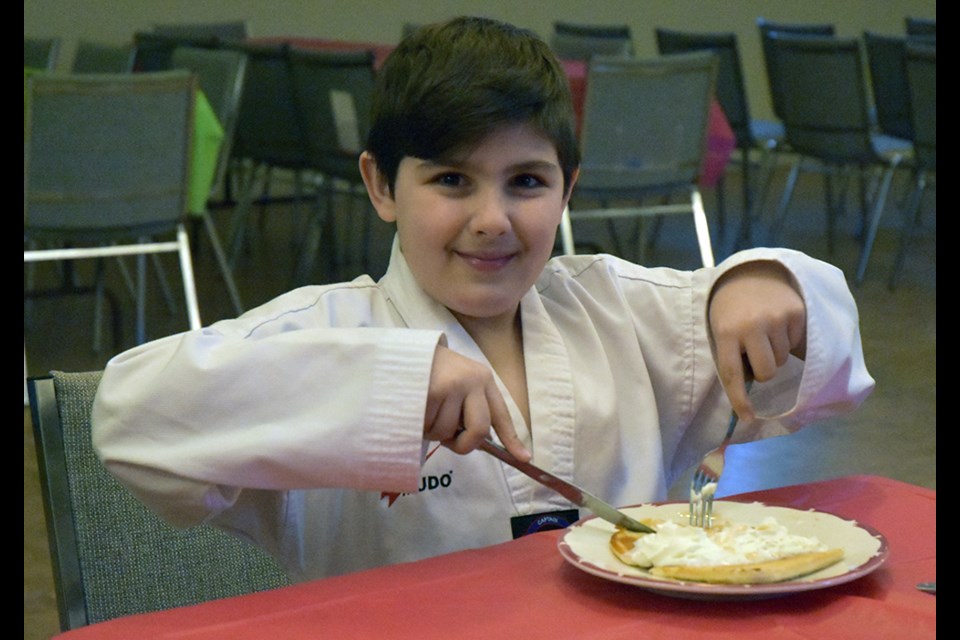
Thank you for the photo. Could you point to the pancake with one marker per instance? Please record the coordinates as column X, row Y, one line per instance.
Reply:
column 723, row 554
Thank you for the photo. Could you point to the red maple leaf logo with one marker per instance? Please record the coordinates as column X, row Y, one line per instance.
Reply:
column 392, row 496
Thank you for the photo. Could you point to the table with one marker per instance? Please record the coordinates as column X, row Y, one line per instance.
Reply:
column 524, row 589
column 720, row 138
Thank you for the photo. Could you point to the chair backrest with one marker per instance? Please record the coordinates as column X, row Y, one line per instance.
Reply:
column 40, row 53
column 730, row 87
column 916, row 26
column 102, row 57
column 220, row 74
column 645, row 121
column 921, row 69
column 154, row 51
column 333, row 91
column 235, row 30
column 888, row 79
column 582, row 41
column 800, row 29
column 111, row 556
column 107, row 152
column 825, row 106
column 268, row 128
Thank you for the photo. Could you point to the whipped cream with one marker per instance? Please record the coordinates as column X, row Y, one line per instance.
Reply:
column 681, row 544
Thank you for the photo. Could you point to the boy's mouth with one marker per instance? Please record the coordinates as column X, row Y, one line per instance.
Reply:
column 486, row 260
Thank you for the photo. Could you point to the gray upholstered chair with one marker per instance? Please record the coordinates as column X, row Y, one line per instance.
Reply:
column 40, row 53
column 826, row 111
column 920, row 61
column 111, row 556
column 103, row 57
column 753, row 135
column 221, row 74
column 643, row 138
column 332, row 91
column 99, row 182
column 574, row 41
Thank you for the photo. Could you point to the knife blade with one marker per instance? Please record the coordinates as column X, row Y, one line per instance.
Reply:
column 569, row 491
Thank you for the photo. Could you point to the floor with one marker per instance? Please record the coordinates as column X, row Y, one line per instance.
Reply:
column 893, row 434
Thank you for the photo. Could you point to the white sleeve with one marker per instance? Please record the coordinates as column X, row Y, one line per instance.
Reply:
column 833, row 377
column 188, row 421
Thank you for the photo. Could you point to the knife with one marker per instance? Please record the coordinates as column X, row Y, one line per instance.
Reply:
column 569, row 491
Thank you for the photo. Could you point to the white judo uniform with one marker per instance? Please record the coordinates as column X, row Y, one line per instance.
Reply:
column 299, row 425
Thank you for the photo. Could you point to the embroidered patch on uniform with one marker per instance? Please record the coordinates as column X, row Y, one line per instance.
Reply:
column 523, row 525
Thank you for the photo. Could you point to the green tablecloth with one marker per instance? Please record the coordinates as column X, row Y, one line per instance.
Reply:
column 207, row 138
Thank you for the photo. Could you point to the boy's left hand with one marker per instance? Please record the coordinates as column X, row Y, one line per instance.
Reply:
column 757, row 318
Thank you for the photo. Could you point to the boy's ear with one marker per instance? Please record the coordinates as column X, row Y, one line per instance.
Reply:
column 377, row 188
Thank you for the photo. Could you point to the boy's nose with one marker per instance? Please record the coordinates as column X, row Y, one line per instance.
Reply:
column 491, row 214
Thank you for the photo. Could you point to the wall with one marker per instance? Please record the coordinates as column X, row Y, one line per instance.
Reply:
column 382, row 21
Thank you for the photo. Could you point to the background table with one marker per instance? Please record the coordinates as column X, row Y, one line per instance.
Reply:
column 524, row 589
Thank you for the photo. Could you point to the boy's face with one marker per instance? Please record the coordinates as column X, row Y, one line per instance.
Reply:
column 477, row 229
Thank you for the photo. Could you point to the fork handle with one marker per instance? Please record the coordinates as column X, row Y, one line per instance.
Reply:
column 733, row 414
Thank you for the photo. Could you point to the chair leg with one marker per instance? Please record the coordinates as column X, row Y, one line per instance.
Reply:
column 566, row 233
column 313, row 235
column 186, row 270
column 254, row 181
column 721, row 190
column 703, row 229
column 781, row 212
column 165, row 289
column 751, row 213
column 830, row 207
column 871, row 233
column 911, row 213
column 140, row 333
column 745, row 180
column 221, row 257
column 98, row 293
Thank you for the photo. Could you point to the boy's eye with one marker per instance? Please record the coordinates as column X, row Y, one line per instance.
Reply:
column 527, row 181
column 449, row 179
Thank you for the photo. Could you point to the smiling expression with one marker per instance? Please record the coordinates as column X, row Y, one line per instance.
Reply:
column 477, row 229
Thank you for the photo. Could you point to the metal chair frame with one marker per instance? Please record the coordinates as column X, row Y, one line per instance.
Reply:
column 137, row 202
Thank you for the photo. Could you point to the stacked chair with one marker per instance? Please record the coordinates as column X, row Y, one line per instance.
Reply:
column 752, row 135
column 920, row 63
column 574, row 41
column 826, row 110
column 40, row 53
column 332, row 93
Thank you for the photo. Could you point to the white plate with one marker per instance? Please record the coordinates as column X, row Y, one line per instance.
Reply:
column 586, row 545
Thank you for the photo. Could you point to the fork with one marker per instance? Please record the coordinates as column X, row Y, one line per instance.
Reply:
column 703, row 485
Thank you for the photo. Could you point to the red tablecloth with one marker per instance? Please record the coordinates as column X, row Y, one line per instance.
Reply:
column 524, row 589
column 720, row 138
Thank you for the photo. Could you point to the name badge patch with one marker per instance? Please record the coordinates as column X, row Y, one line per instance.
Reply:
column 523, row 525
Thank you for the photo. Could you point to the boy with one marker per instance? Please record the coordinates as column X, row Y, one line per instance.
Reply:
column 312, row 425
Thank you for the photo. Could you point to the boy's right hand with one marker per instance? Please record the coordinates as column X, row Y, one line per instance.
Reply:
column 463, row 402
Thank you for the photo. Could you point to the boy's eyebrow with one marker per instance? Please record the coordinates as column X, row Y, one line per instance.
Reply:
column 529, row 165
